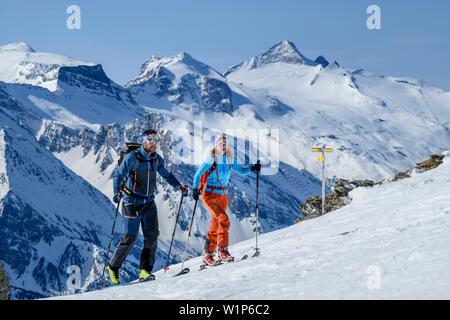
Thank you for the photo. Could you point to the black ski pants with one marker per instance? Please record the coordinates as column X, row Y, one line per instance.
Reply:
column 135, row 215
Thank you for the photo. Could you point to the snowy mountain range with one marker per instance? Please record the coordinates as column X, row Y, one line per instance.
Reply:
column 72, row 121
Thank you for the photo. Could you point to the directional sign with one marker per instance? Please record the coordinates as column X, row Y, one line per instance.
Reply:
column 322, row 149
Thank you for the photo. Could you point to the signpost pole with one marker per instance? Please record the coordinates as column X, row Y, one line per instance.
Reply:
column 323, row 180
column 322, row 159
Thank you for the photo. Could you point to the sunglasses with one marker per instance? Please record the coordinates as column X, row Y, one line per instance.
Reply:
column 150, row 138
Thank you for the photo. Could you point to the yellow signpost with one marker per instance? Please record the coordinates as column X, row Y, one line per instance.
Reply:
column 321, row 158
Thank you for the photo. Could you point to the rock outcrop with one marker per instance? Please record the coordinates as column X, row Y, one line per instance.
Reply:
column 4, row 284
column 434, row 161
column 312, row 207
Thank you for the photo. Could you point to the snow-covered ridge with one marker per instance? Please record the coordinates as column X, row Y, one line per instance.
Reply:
column 184, row 82
column 19, row 63
column 16, row 46
column 391, row 242
column 55, row 87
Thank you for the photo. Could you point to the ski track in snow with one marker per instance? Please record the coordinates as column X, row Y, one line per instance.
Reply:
column 400, row 228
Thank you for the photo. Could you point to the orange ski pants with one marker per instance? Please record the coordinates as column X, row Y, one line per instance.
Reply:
column 220, row 223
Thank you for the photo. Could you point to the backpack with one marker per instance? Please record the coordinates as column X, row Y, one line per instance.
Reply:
column 126, row 149
column 205, row 176
column 202, row 185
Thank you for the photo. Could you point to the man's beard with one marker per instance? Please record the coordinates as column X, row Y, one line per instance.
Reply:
column 150, row 149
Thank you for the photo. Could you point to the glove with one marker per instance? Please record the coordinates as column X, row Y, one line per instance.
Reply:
column 184, row 190
column 256, row 167
column 195, row 194
column 116, row 197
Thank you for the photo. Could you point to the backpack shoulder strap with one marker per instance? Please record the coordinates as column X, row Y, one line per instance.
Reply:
column 213, row 167
column 133, row 170
column 138, row 162
column 156, row 160
column 205, row 176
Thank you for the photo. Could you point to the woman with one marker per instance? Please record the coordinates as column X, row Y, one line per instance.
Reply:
column 211, row 180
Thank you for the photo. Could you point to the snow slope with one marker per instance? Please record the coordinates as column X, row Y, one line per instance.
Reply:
column 391, row 242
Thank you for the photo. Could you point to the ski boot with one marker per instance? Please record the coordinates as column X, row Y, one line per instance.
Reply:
column 208, row 260
column 114, row 275
column 144, row 275
column 224, row 254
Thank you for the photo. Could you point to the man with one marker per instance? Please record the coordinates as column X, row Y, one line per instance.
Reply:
column 211, row 179
column 138, row 185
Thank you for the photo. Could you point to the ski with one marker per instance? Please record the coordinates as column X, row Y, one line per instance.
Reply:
column 183, row 271
column 128, row 283
column 245, row 256
column 219, row 262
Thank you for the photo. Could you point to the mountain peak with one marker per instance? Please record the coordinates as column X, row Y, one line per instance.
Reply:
column 177, row 65
column 184, row 56
column 154, row 62
column 284, row 51
column 322, row 60
column 17, row 46
column 284, row 47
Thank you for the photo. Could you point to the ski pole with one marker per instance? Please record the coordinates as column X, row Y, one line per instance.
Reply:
column 173, row 235
column 257, row 209
column 110, row 238
column 189, row 235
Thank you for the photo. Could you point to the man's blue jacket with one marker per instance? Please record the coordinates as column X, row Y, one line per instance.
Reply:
column 141, row 184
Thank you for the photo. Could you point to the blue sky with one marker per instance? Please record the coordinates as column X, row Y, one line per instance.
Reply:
column 414, row 40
